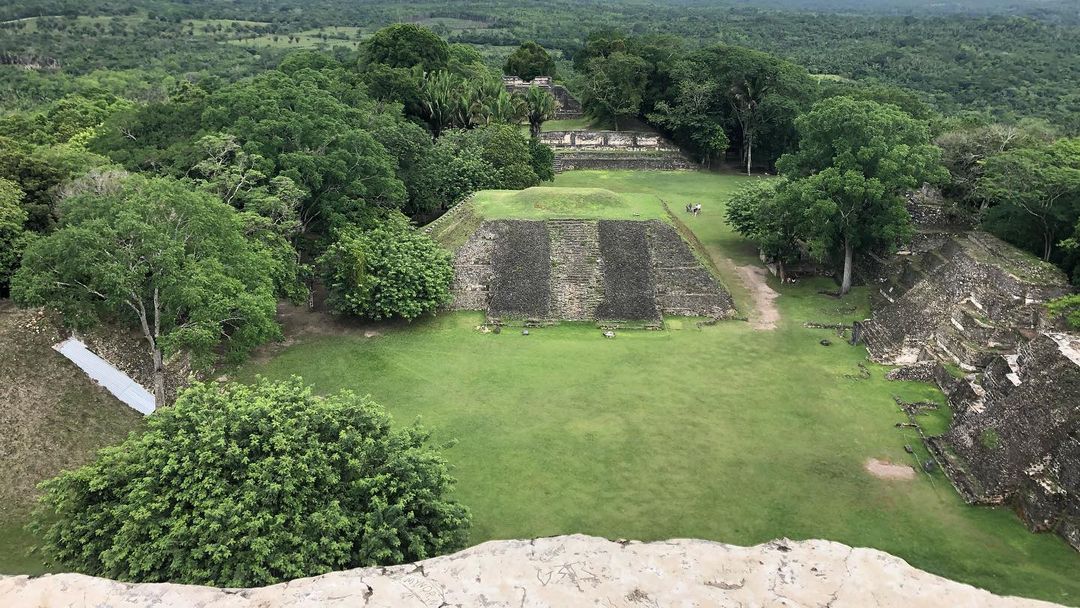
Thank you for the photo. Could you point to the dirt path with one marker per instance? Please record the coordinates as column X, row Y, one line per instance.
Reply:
column 883, row 469
column 765, row 313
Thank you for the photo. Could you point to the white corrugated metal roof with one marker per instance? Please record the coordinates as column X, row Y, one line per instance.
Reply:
column 101, row 371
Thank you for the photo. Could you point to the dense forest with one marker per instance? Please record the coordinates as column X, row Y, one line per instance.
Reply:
column 1000, row 59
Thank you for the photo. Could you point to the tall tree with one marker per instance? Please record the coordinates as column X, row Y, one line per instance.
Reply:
column 541, row 106
column 529, row 61
column 13, row 236
column 765, row 213
column 404, row 45
column 855, row 161
column 1035, row 190
column 243, row 485
column 614, row 86
column 172, row 261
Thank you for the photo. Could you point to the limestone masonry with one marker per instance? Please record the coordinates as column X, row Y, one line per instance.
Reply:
column 610, row 270
column 967, row 302
column 562, row 572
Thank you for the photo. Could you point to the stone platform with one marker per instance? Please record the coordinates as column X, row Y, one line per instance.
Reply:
column 564, row 571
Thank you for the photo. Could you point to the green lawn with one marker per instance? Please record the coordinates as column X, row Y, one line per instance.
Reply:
column 545, row 202
column 718, row 432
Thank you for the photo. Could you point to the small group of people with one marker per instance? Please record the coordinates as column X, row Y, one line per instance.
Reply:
column 695, row 209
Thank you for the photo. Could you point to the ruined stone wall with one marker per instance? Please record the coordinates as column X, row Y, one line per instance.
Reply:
column 614, row 271
column 579, row 159
column 569, row 106
column 1017, row 440
column 613, row 140
column 966, row 300
column 970, row 300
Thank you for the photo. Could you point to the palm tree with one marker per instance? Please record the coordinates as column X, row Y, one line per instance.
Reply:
column 441, row 100
column 541, row 107
column 509, row 109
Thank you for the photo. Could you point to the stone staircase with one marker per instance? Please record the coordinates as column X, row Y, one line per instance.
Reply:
column 576, row 276
column 473, row 271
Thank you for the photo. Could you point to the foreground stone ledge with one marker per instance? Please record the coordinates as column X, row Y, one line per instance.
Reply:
column 562, row 571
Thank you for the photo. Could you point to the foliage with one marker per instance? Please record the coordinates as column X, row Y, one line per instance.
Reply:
column 1035, row 193
column 13, row 237
column 773, row 220
column 529, row 61
column 152, row 253
column 854, row 162
column 964, row 153
column 462, row 162
column 244, row 485
column 541, row 107
column 404, row 45
column 1068, row 307
column 614, row 87
column 391, row 270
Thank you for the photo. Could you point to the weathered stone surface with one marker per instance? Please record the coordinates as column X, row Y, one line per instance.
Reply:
column 1017, row 441
column 569, row 107
column 621, row 272
column 964, row 299
column 561, row 572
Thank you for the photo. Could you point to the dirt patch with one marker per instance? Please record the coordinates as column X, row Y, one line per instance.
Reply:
column 53, row 416
column 765, row 314
column 883, row 469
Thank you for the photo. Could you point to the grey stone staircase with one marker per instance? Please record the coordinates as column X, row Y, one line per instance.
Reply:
column 576, row 277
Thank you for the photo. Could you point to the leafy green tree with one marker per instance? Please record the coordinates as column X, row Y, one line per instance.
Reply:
column 243, row 485
column 964, row 153
column 614, row 86
column 855, row 161
column 13, row 237
column 543, row 160
column 152, row 253
column 529, row 61
column 541, row 106
column 691, row 118
column 404, row 45
column 40, row 172
column 462, row 162
column 1036, row 194
column 391, row 270
column 766, row 215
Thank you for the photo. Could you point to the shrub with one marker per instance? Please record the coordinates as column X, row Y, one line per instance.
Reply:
column 390, row 271
column 241, row 485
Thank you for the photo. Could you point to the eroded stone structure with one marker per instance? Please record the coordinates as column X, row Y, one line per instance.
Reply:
column 970, row 303
column 609, row 270
column 569, row 107
column 564, row 571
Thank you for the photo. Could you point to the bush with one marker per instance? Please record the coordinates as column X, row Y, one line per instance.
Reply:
column 390, row 271
column 242, row 485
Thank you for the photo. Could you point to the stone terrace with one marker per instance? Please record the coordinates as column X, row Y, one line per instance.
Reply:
column 629, row 292
column 521, row 269
column 619, row 272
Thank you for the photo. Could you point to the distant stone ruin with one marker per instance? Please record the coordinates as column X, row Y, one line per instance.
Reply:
column 569, row 107
column 968, row 302
column 635, row 150
column 613, row 271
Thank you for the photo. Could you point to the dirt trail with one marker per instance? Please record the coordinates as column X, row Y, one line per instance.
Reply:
column 883, row 469
column 765, row 314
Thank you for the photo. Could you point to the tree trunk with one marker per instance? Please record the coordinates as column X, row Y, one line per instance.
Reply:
column 534, row 129
column 159, row 378
column 780, row 270
column 845, row 285
column 749, row 152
